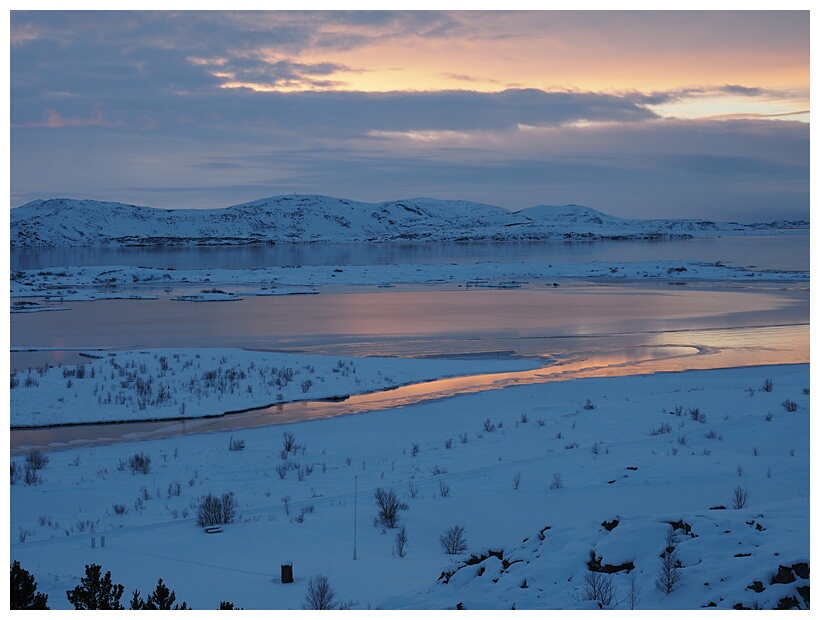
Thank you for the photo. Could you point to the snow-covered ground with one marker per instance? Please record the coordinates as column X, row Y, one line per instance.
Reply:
column 90, row 283
column 309, row 218
column 158, row 384
column 548, row 481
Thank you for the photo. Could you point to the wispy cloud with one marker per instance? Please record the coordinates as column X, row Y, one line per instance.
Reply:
column 621, row 110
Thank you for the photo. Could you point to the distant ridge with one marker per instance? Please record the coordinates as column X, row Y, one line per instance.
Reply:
column 63, row 222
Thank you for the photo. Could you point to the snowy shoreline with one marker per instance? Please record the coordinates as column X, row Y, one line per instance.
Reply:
column 184, row 384
column 125, row 282
column 542, row 479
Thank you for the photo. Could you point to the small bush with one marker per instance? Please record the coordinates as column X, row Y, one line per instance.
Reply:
column 319, row 594
column 453, row 540
column 140, row 463
column 663, row 429
column 740, row 498
column 489, row 426
column 235, row 445
column 588, row 405
column 789, row 405
column 557, row 482
column 388, row 505
column 400, row 545
column 120, row 509
column 36, row 459
column 288, row 442
column 767, row 385
column 213, row 510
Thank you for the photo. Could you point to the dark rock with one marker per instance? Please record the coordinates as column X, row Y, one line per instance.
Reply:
column 610, row 525
column 757, row 586
column 801, row 569
column 788, row 602
column 784, row 575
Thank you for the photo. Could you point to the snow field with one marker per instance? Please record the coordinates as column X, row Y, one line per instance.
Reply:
column 611, row 461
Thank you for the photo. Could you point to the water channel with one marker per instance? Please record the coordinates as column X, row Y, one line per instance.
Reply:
column 586, row 329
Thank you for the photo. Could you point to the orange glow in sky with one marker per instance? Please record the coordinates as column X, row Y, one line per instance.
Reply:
column 566, row 51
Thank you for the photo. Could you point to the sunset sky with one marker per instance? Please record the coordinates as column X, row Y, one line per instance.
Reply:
column 648, row 114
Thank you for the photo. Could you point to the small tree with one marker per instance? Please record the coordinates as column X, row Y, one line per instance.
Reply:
column 23, row 592
column 740, row 498
column 227, row 605
column 319, row 594
column 389, row 505
column 163, row 598
column 669, row 571
column 36, row 459
column 401, row 542
column 95, row 592
column 213, row 510
column 767, row 385
column 598, row 587
column 453, row 541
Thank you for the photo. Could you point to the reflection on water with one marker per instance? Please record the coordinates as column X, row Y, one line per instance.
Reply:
column 582, row 331
column 786, row 252
column 677, row 351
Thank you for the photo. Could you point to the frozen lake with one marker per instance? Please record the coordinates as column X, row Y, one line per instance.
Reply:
column 580, row 329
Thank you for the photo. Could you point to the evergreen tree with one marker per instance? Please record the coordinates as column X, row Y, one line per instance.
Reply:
column 95, row 592
column 23, row 592
column 136, row 601
column 227, row 605
column 163, row 598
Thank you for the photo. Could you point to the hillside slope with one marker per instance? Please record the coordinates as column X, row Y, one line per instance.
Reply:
column 311, row 218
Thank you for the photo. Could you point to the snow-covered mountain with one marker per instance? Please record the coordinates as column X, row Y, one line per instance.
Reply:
column 312, row 218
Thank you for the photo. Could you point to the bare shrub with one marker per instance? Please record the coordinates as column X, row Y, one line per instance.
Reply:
column 789, row 405
column 388, row 505
column 448, row 443
column 400, row 544
column 663, row 429
column 15, row 472
column 598, row 587
column 740, row 497
column 489, row 426
column 213, row 510
column 120, row 509
column 453, row 540
column 288, row 442
column 31, row 477
column 36, row 459
column 235, row 445
column 669, row 571
column 443, row 488
column 463, row 437
column 319, row 594
column 589, row 406
column 140, row 463
column 557, row 482
column 767, row 385
column 517, row 481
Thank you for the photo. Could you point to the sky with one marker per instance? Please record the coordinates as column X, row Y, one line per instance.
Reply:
column 638, row 114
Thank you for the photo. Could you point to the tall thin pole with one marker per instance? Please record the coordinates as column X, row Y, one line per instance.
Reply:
column 355, row 512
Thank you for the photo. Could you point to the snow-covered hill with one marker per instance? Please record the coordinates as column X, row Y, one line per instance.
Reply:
column 310, row 218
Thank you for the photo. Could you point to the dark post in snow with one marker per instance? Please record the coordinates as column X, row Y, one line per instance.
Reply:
column 355, row 511
column 287, row 572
